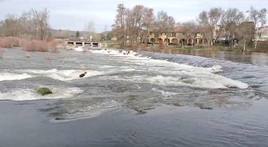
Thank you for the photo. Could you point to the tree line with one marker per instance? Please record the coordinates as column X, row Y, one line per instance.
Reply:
column 32, row 24
column 133, row 25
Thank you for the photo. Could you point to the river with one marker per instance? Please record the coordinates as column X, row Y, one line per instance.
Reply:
column 140, row 99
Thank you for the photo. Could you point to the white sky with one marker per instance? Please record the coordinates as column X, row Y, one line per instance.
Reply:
column 75, row 14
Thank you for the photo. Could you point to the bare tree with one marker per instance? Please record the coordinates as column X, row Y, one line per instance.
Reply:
column 210, row 20
column 32, row 24
column 11, row 26
column 232, row 15
column 132, row 26
column 231, row 19
column 149, row 20
column 119, row 28
column 245, row 33
column 259, row 18
column 165, row 23
column 28, row 27
column 40, row 19
column 90, row 28
column 136, row 16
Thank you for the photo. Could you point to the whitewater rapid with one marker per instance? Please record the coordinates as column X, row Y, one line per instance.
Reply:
column 62, row 75
column 173, row 74
column 31, row 94
column 152, row 71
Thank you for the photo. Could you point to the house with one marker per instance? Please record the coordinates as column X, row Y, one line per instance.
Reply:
column 261, row 38
column 180, row 36
column 262, row 34
column 235, row 34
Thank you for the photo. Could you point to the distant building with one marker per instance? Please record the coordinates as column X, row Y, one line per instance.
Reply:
column 261, row 38
column 243, row 31
column 179, row 37
column 262, row 34
column 114, row 38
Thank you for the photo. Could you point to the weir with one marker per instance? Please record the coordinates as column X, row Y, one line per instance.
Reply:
column 71, row 44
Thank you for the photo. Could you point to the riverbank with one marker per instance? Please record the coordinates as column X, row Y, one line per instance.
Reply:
column 189, row 49
column 251, row 56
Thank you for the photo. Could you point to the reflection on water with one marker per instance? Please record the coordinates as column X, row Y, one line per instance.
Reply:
column 251, row 58
column 256, row 58
column 259, row 58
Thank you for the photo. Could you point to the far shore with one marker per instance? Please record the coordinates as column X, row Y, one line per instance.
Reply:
column 191, row 50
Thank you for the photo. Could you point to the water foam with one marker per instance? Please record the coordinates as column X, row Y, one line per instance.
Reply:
column 62, row 75
column 6, row 76
column 31, row 94
column 210, row 82
column 175, row 74
column 116, row 52
column 164, row 93
column 79, row 49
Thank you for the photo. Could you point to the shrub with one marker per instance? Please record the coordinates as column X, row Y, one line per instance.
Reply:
column 36, row 45
column 53, row 46
column 28, row 45
column 40, row 46
column 9, row 42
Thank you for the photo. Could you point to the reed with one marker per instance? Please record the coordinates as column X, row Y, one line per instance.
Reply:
column 28, row 44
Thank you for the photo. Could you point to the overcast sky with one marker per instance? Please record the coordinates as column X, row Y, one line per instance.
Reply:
column 75, row 14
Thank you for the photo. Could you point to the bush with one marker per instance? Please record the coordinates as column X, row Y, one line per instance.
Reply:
column 28, row 45
column 9, row 42
column 36, row 45
column 40, row 46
